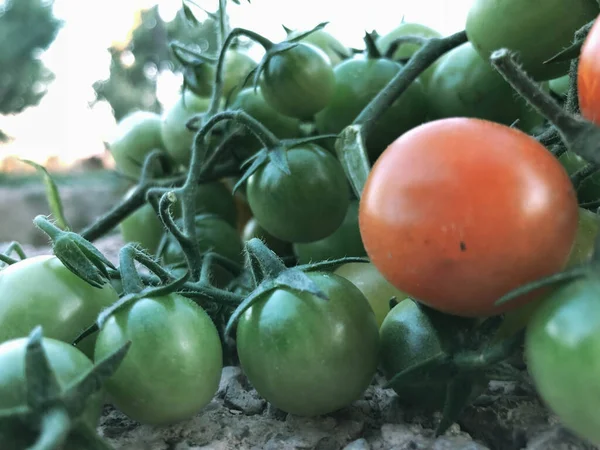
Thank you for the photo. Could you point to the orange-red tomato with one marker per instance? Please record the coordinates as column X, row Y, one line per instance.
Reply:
column 588, row 75
column 458, row 212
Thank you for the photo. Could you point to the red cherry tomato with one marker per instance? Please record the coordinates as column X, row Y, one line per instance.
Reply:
column 588, row 76
column 458, row 212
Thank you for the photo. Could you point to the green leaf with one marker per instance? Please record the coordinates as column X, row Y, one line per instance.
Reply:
column 189, row 15
column 352, row 153
column 52, row 195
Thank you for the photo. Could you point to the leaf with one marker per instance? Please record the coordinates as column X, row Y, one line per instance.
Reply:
column 189, row 15
column 352, row 153
column 52, row 195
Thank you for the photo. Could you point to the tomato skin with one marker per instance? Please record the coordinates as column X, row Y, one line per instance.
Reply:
column 214, row 234
column 458, row 255
column 254, row 230
column 465, row 85
column 40, row 290
column 327, row 350
column 357, row 82
column 67, row 363
column 142, row 226
column 345, row 241
column 305, row 206
column 562, row 346
column 137, row 134
column 213, row 198
column 373, row 285
column 588, row 75
column 535, row 33
column 405, row 51
column 237, row 67
column 173, row 367
column 560, row 86
column 298, row 82
column 326, row 42
column 177, row 138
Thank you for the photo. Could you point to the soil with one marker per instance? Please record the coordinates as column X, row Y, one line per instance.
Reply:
column 509, row 416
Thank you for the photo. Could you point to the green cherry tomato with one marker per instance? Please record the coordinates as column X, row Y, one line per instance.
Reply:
column 373, row 285
column 254, row 230
column 562, row 348
column 40, row 290
column 583, row 247
column 253, row 103
column 465, row 85
column 177, row 138
column 68, row 365
column 213, row 234
column 534, row 32
column 237, row 67
column 213, row 198
column 589, row 189
column 173, row 367
column 560, row 86
column 405, row 51
column 306, row 355
column 142, row 226
column 357, row 82
column 298, row 82
column 345, row 241
column 137, row 134
column 334, row 49
column 307, row 205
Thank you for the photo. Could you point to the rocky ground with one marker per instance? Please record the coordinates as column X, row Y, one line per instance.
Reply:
column 507, row 417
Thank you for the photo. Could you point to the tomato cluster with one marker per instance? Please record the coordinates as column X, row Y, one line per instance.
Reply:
column 262, row 251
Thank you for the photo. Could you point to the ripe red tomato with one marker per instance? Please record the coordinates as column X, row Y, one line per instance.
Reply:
column 458, row 212
column 588, row 76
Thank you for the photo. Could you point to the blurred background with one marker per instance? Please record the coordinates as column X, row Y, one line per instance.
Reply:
column 69, row 70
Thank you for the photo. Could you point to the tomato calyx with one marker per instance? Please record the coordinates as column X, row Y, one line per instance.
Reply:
column 54, row 412
column 371, row 50
column 465, row 362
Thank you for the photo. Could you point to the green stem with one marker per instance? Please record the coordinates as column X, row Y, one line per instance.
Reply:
column 578, row 177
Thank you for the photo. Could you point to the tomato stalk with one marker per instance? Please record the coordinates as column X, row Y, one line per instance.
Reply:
column 580, row 136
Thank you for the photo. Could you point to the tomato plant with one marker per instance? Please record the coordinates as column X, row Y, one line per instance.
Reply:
column 562, row 346
column 142, row 226
column 345, row 241
column 373, row 285
column 305, row 206
column 174, row 364
column 178, row 139
column 213, row 234
column 434, row 186
column 290, row 342
column 67, row 363
column 333, row 48
column 465, row 85
column 298, row 82
column 137, row 134
column 588, row 74
column 357, row 82
column 535, row 33
column 405, row 51
column 40, row 290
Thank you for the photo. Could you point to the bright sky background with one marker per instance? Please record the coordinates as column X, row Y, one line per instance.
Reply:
column 64, row 124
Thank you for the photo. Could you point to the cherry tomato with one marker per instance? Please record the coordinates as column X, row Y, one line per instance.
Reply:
column 357, row 82
column 40, row 290
column 254, row 230
column 306, row 355
column 535, row 33
column 298, row 82
column 560, row 86
column 68, row 365
column 562, row 347
column 213, row 198
column 474, row 224
column 345, row 241
column 177, row 138
column 465, row 85
column 588, row 76
column 142, row 226
column 334, row 49
column 173, row 367
column 137, row 134
column 307, row 205
column 237, row 67
column 373, row 285
column 405, row 51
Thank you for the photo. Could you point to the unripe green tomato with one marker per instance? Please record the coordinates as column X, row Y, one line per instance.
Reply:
column 298, row 82
column 405, row 51
column 137, row 134
column 142, row 226
column 560, row 86
column 334, row 49
column 534, row 31
column 177, row 138
column 254, row 230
